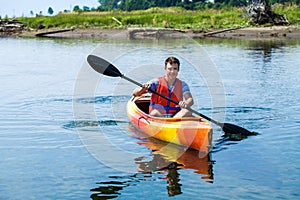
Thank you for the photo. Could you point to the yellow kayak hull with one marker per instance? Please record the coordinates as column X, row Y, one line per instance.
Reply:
column 192, row 132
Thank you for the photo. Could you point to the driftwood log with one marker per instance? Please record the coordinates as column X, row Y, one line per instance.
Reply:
column 49, row 32
column 8, row 27
column 260, row 12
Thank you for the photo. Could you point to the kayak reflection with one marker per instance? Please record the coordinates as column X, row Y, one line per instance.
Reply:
column 166, row 160
column 168, row 156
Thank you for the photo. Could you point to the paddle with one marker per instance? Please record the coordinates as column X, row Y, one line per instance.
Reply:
column 104, row 67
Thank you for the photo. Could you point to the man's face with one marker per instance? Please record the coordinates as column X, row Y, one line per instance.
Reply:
column 172, row 70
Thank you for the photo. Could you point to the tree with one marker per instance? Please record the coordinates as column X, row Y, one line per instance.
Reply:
column 50, row 11
column 235, row 3
column 109, row 4
column 86, row 8
column 76, row 8
column 130, row 5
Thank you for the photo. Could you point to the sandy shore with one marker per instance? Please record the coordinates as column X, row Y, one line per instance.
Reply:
column 160, row 33
column 275, row 31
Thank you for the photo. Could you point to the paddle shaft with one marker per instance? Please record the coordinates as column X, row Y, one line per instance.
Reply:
column 171, row 100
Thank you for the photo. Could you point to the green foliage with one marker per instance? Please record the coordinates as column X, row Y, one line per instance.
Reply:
column 108, row 5
column 292, row 13
column 76, row 8
column 86, row 8
column 130, row 5
column 50, row 11
column 171, row 17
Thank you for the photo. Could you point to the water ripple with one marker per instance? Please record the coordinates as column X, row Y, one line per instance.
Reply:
column 88, row 123
column 227, row 140
column 237, row 109
column 101, row 99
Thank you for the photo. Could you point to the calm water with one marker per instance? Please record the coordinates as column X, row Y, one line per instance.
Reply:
column 65, row 133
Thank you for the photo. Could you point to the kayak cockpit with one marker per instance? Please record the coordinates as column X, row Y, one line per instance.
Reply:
column 142, row 103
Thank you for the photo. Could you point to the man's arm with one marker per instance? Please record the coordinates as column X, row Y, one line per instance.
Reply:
column 141, row 90
column 188, row 99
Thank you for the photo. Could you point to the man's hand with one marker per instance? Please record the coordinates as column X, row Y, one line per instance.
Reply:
column 182, row 104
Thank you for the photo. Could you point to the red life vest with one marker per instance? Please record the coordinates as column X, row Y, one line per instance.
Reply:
column 162, row 104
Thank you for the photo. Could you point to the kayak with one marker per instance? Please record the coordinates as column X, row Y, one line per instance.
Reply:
column 191, row 132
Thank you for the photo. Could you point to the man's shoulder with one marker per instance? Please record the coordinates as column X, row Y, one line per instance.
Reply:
column 183, row 82
column 185, row 87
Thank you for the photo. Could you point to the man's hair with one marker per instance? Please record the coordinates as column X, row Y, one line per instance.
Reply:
column 172, row 60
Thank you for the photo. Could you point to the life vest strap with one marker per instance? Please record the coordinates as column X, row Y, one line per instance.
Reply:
column 167, row 108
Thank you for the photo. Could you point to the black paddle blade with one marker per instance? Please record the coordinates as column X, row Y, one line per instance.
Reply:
column 102, row 66
column 234, row 129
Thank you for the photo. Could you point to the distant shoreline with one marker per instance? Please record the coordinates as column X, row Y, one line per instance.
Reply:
column 161, row 33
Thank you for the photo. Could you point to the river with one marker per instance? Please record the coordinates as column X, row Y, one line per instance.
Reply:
column 65, row 133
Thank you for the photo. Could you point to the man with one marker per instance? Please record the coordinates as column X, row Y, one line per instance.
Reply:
column 172, row 87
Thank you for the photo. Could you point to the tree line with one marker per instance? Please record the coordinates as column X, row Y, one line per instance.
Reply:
column 129, row 5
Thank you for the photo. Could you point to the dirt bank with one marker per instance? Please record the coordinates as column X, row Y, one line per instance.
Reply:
column 161, row 33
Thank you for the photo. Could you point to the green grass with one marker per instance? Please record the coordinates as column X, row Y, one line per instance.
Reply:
column 173, row 17
column 292, row 13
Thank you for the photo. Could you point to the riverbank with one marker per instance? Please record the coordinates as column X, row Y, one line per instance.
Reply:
column 164, row 33
column 154, row 23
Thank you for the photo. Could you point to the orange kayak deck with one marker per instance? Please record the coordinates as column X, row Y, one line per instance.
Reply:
column 191, row 132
